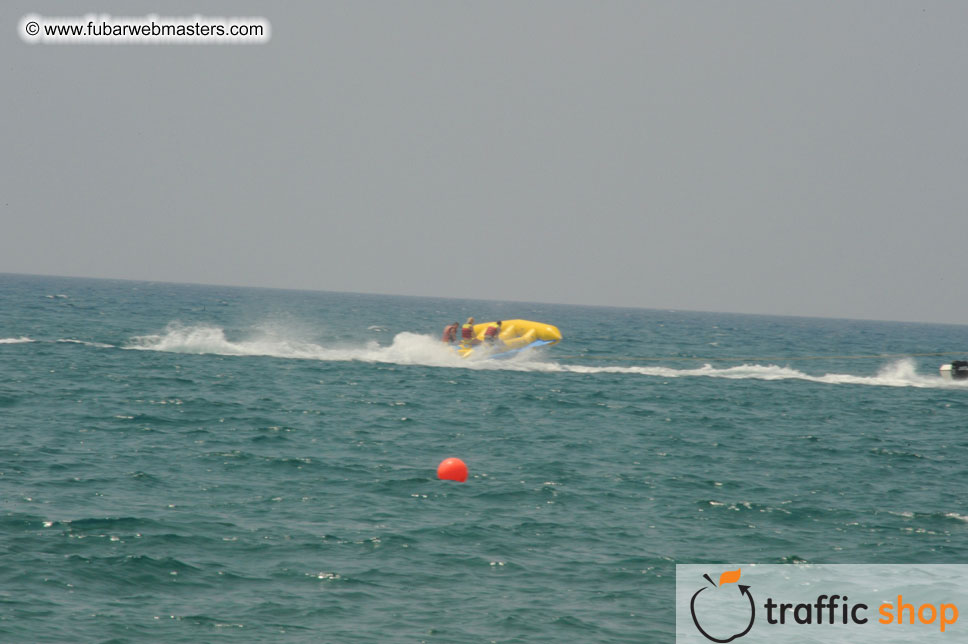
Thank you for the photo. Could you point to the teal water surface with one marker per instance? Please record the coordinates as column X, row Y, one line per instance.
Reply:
column 201, row 464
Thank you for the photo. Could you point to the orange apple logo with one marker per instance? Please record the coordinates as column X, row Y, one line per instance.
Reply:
column 725, row 601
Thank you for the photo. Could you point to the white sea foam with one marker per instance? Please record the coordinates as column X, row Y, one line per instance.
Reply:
column 901, row 373
column 19, row 340
column 416, row 349
column 407, row 348
column 98, row 345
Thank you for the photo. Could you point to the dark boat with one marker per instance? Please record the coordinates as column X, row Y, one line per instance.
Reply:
column 957, row 370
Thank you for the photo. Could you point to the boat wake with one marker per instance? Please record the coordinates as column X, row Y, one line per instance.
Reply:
column 900, row 373
column 406, row 349
column 416, row 349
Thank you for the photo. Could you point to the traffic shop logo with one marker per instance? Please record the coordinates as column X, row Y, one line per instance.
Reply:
column 734, row 597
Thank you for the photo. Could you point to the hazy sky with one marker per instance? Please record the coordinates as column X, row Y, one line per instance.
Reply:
column 802, row 158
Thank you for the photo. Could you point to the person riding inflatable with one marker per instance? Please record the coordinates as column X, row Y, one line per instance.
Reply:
column 491, row 334
column 467, row 333
column 450, row 333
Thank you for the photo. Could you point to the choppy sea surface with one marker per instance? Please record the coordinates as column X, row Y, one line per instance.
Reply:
column 203, row 464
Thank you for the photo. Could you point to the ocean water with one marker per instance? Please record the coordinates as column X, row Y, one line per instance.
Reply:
column 203, row 464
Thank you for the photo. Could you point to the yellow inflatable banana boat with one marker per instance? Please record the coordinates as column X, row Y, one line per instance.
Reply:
column 514, row 336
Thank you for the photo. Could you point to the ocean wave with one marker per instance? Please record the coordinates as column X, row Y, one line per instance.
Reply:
column 20, row 340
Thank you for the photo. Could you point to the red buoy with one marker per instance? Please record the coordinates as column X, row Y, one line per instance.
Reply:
column 452, row 469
